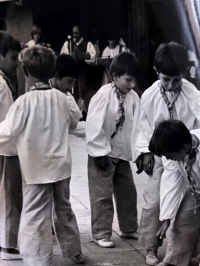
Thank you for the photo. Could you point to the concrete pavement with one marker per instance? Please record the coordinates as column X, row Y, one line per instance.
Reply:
column 127, row 252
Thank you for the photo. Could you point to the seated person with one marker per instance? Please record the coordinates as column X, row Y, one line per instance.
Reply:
column 111, row 51
column 113, row 48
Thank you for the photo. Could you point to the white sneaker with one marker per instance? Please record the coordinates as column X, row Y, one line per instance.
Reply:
column 104, row 243
column 10, row 256
column 152, row 258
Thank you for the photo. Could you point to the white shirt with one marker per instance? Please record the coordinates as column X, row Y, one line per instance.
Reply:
column 172, row 189
column 107, row 52
column 101, row 123
column 90, row 49
column 154, row 110
column 6, row 98
column 39, row 122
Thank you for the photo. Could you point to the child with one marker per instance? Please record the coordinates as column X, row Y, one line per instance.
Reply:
column 180, row 197
column 67, row 72
column 40, row 130
column 113, row 111
column 10, row 175
column 169, row 97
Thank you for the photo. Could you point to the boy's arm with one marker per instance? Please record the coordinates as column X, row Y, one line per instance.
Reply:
column 98, row 144
column 172, row 189
column 145, row 160
column 6, row 99
column 75, row 113
column 10, row 128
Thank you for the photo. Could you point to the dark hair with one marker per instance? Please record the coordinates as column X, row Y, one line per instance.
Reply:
column 40, row 62
column 7, row 42
column 66, row 66
column 3, row 25
column 36, row 29
column 125, row 63
column 169, row 136
column 171, row 59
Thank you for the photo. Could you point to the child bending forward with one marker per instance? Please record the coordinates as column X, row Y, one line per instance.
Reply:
column 180, row 196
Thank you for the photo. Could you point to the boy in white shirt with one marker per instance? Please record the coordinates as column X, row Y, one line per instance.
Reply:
column 112, row 118
column 10, row 174
column 180, row 197
column 169, row 97
column 35, row 122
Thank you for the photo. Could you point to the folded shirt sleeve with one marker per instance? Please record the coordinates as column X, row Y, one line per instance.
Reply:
column 172, row 189
column 10, row 128
column 142, row 143
column 96, row 139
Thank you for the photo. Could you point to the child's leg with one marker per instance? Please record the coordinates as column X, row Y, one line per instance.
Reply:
column 125, row 197
column 150, row 223
column 66, row 228
column 10, row 202
column 35, row 233
column 184, row 233
column 101, row 191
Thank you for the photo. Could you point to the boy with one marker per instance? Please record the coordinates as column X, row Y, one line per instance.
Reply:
column 169, row 97
column 10, row 175
column 113, row 114
column 180, row 197
column 40, row 130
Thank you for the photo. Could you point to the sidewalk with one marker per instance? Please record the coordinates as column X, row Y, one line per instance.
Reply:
column 127, row 252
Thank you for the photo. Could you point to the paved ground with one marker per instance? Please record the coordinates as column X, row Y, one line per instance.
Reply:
column 126, row 252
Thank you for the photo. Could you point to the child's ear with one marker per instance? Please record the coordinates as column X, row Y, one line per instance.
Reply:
column 156, row 70
column 25, row 71
column 114, row 76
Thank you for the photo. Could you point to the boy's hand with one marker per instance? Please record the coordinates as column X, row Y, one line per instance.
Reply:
column 102, row 162
column 139, row 164
column 163, row 229
column 148, row 163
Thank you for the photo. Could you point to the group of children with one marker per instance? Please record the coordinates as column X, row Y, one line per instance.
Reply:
column 153, row 132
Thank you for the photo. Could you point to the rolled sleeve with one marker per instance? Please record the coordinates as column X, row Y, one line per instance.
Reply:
column 96, row 139
column 172, row 189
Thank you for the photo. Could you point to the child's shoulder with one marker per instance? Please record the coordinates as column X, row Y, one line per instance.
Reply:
column 3, row 84
column 106, row 89
column 152, row 90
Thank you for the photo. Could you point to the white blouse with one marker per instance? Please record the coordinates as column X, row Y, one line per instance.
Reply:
column 38, row 122
column 101, row 122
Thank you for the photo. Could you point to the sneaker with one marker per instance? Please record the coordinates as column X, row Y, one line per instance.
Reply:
column 151, row 257
column 162, row 263
column 133, row 235
column 10, row 256
column 104, row 243
column 79, row 259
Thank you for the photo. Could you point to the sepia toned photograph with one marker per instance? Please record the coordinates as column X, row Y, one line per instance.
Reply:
column 99, row 132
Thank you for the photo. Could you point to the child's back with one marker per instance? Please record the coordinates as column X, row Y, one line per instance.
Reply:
column 41, row 119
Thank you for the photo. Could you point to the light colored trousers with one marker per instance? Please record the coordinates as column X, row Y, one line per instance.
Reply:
column 150, row 223
column 184, row 238
column 117, row 179
column 35, row 233
column 10, row 201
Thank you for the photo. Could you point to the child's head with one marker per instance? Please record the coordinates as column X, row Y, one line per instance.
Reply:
column 39, row 63
column 67, row 72
column 36, row 33
column 9, row 51
column 171, row 62
column 172, row 139
column 112, row 40
column 125, row 70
